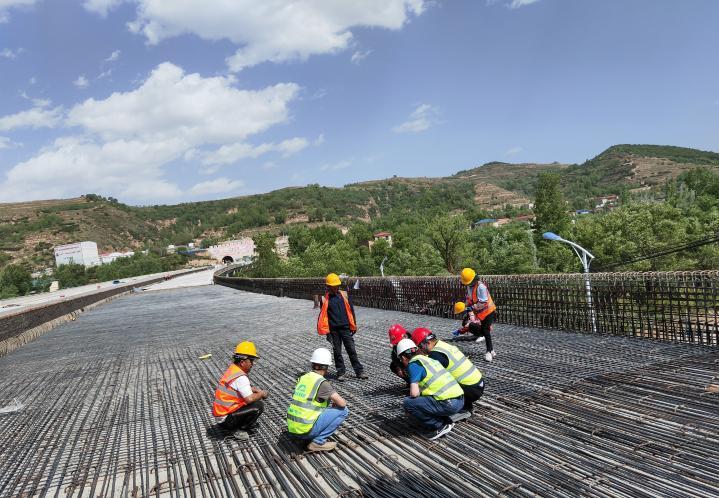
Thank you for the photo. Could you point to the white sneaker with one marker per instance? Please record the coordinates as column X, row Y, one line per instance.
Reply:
column 494, row 354
column 488, row 356
column 480, row 339
column 445, row 429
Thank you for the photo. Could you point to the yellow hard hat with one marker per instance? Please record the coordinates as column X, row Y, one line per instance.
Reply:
column 467, row 276
column 333, row 280
column 459, row 307
column 246, row 348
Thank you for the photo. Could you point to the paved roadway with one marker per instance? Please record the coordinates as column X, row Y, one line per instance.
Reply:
column 117, row 403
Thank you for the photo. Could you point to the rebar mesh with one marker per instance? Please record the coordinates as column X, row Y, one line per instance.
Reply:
column 669, row 306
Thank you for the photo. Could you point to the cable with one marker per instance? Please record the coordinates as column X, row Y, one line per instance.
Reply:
column 711, row 239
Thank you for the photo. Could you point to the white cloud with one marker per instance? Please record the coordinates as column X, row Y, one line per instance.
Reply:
column 346, row 163
column 319, row 140
column 32, row 80
column 81, row 82
column 198, row 110
column 521, row 3
column 359, row 56
column 37, row 117
column 6, row 143
column 216, row 186
column 6, row 5
column 104, row 74
column 269, row 30
column 8, row 53
column 232, row 153
column 513, row 151
column 101, row 7
column 113, row 56
column 127, row 141
column 421, row 119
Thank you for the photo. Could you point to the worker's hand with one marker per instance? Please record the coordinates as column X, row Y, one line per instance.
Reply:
column 457, row 332
column 265, row 394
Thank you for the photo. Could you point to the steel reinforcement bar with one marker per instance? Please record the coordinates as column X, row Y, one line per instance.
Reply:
column 668, row 306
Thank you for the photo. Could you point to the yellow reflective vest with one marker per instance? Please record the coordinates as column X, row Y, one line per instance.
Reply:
column 438, row 382
column 459, row 366
column 304, row 410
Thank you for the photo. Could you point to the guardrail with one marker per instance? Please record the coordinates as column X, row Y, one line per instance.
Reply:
column 668, row 306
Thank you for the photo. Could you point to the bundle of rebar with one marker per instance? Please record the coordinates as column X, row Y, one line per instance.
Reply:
column 118, row 403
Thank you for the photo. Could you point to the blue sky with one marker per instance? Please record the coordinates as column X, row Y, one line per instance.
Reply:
column 163, row 102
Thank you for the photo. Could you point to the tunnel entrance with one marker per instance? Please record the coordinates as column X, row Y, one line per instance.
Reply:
column 227, row 260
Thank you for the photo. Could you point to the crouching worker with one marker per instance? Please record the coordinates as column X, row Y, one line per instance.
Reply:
column 309, row 415
column 396, row 333
column 453, row 360
column 235, row 399
column 434, row 396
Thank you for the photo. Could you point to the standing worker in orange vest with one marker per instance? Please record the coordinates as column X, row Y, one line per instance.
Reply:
column 337, row 322
column 482, row 305
column 235, row 399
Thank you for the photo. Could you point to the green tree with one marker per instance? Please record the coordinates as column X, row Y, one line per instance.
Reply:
column 266, row 263
column 449, row 235
column 15, row 279
column 550, row 208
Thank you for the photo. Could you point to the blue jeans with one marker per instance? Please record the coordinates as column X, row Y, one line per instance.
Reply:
column 330, row 419
column 431, row 412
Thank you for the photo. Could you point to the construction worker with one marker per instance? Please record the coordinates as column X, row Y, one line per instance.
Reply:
column 309, row 415
column 237, row 403
column 482, row 305
column 450, row 357
column 337, row 321
column 434, row 395
column 396, row 333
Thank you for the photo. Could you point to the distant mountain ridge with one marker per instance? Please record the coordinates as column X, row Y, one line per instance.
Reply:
column 29, row 230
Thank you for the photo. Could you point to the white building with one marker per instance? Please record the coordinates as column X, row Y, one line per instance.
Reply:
column 109, row 257
column 233, row 251
column 79, row 253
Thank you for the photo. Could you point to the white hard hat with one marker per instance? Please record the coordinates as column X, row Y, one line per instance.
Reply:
column 405, row 345
column 321, row 356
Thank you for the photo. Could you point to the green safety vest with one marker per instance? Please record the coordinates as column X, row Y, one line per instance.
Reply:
column 438, row 382
column 304, row 411
column 459, row 366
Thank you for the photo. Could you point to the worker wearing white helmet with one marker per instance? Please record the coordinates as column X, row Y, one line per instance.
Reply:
column 310, row 415
column 434, row 395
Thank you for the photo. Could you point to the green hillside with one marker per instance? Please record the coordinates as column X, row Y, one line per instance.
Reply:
column 28, row 231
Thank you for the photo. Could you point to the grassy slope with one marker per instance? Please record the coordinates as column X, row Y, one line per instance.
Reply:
column 28, row 231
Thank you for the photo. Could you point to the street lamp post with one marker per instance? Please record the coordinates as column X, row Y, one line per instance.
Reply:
column 586, row 258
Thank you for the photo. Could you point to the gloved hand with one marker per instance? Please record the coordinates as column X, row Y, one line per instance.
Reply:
column 457, row 332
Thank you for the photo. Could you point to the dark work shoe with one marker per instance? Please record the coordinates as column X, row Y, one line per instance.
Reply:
column 362, row 375
column 445, row 429
column 241, row 435
column 340, row 377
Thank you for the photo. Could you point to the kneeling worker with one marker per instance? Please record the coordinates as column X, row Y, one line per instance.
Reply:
column 434, row 396
column 450, row 357
column 235, row 399
column 396, row 333
column 309, row 415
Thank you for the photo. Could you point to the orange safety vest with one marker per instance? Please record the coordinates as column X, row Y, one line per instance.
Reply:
column 227, row 400
column 490, row 302
column 323, row 323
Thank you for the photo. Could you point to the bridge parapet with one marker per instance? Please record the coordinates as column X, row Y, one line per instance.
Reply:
column 667, row 306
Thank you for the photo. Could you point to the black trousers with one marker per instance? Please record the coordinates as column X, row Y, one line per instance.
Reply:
column 341, row 336
column 484, row 330
column 472, row 394
column 245, row 418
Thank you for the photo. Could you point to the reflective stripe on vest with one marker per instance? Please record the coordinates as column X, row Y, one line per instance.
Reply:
column 472, row 298
column 437, row 382
column 227, row 400
column 304, row 410
column 459, row 366
column 323, row 322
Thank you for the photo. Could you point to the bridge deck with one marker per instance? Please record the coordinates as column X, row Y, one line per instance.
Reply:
column 117, row 404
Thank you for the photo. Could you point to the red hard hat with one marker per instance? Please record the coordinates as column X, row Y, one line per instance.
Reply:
column 396, row 334
column 421, row 334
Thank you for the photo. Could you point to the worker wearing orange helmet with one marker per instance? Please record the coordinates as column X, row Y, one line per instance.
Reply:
column 237, row 404
column 455, row 362
column 396, row 333
column 337, row 322
column 480, row 303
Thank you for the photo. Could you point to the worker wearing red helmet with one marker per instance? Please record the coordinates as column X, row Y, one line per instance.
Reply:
column 451, row 358
column 396, row 333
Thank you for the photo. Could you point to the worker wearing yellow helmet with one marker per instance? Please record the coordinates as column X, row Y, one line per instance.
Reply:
column 337, row 322
column 237, row 404
column 480, row 310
